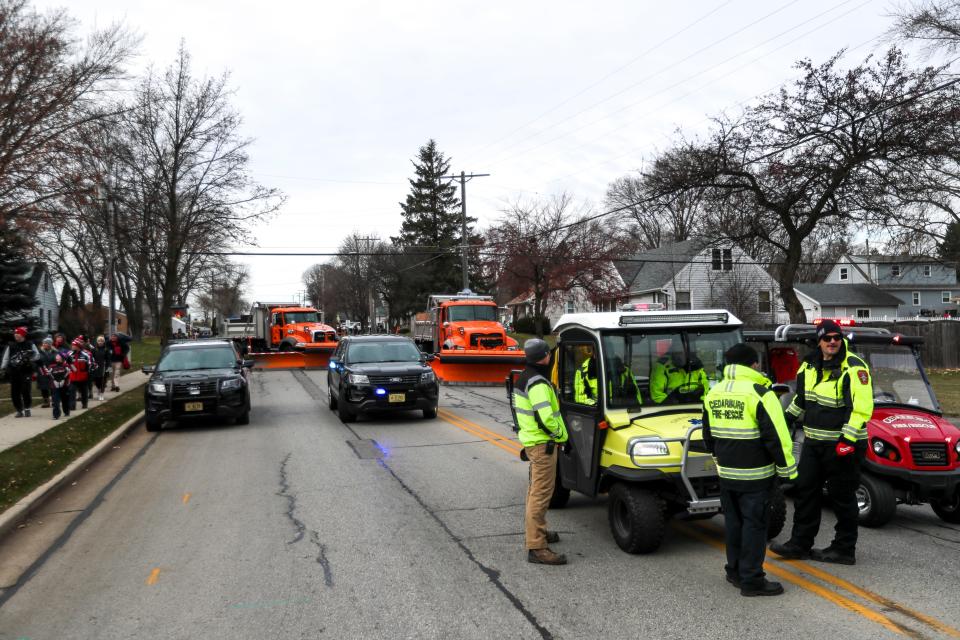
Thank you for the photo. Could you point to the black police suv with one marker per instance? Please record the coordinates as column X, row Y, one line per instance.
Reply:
column 197, row 378
column 380, row 373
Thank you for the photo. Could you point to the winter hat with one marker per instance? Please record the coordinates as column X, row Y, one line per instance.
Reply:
column 741, row 354
column 535, row 349
column 827, row 327
column 77, row 342
column 20, row 331
column 48, row 340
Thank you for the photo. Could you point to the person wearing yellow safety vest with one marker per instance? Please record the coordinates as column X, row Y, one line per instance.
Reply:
column 745, row 430
column 670, row 381
column 623, row 387
column 834, row 401
column 540, row 429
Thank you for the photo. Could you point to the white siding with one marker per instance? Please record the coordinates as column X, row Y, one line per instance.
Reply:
column 854, row 275
column 47, row 311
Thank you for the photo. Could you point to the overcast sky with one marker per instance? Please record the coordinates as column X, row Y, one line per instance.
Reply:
column 545, row 96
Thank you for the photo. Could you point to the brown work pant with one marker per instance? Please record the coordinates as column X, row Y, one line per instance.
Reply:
column 543, row 475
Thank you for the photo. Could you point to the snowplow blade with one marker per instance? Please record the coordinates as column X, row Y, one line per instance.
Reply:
column 476, row 367
column 278, row 360
column 316, row 359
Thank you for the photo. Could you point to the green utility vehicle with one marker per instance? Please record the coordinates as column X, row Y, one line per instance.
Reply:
column 640, row 440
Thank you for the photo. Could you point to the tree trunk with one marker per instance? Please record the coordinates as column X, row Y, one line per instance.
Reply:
column 786, row 280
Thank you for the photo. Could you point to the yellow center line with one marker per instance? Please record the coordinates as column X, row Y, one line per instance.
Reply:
column 154, row 576
column 186, row 497
column 803, row 583
column 482, row 429
column 861, row 592
column 498, row 443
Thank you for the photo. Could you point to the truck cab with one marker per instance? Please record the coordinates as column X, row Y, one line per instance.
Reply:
column 462, row 322
column 636, row 437
column 298, row 329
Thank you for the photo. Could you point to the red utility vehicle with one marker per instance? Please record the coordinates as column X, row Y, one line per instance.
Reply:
column 913, row 452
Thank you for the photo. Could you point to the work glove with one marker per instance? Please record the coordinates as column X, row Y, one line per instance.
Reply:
column 844, row 448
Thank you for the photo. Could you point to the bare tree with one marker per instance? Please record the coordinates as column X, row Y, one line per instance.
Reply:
column 933, row 23
column 831, row 149
column 652, row 219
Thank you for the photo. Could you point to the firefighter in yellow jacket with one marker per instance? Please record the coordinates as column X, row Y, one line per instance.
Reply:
column 541, row 431
column 745, row 430
column 834, row 401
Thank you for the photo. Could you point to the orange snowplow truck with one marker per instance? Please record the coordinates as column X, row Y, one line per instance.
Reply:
column 470, row 345
column 285, row 335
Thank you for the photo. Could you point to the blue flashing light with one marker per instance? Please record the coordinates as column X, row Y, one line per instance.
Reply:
column 381, row 392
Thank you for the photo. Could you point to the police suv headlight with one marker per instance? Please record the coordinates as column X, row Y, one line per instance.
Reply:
column 427, row 376
column 358, row 378
column 649, row 448
column 158, row 387
column 231, row 383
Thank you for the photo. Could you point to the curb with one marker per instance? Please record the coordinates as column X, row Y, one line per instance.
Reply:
column 13, row 516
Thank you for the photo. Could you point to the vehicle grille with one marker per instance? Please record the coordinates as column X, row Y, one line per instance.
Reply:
column 929, row 454
column 486, row 340
column 405, row 379
column 182, row 389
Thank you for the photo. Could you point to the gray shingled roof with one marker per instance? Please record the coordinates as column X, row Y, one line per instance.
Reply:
column 846, row 295
column 653, row 269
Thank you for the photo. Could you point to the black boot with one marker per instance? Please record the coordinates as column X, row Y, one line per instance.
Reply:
column 789, row 550
column 766, row 588
column 833, row 555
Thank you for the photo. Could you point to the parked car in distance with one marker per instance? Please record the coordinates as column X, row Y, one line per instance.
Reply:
column 194, row 379
column 380, row 373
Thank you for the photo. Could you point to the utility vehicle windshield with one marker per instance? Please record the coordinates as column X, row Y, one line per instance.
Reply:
column 467, row 312
column 896, row 375
column 299, row 317
column 660, row 367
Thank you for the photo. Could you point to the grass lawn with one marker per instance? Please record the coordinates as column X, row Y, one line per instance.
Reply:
column 946, row 384
column 521, row 337
column 144, row 352
column 31, row 463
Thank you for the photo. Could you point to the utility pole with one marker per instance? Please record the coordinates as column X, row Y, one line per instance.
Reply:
column 463, row 221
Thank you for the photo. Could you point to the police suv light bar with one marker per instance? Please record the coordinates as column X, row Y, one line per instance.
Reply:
column 685, row 318
column 843, row 322
column 643, row 306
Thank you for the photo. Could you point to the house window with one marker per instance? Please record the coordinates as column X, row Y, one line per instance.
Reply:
column 844, row 273
column 49, row 319
column 895, row 270
column 46, row 283
column 763, row 304
column 721, row 259
column 683, row 300
column 916, row 298
column 570, row 306
column 927, row 271
column 863, row 313
column 945, row 297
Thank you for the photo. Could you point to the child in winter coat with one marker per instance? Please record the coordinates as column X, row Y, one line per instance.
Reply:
column 58, row 377
column 80, row 375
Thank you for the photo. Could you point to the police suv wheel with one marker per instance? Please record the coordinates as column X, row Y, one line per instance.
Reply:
column 637, row 518
column 345, row 412
column 153, row 423
column 244, row 418
column 948, row 510
column 876, row 501
column 331, row 401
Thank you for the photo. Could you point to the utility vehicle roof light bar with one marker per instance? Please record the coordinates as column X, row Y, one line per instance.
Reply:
column 662, row 318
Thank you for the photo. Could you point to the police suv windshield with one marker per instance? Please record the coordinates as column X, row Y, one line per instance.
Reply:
column 299, row 317
column 896, row 375
column 669, row 367
column 199, row 358
column 467, row 312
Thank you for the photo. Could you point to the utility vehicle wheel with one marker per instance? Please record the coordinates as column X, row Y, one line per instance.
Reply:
column 560, row 495
column 637, row 518
column 346, row 413
column 430, row 414
column 778, row 512
column 876, row 501
column 244, row 418
column 948, row 509
column 153, row 423
column 331, row 401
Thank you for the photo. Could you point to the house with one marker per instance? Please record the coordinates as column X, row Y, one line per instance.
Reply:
column 47, row 309
column 100, row 317
column 697, row 274
column 862, row 300
column 925, row 286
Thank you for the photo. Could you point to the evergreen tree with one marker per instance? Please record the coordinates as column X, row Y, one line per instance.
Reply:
column 432, row 222
column 16, row 298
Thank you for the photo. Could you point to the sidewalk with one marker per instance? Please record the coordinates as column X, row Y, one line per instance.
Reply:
column 14, row 430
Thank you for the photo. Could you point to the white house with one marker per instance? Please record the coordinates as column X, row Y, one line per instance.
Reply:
column 47, row 309
column 577, row 300
column 696, row 274
column 862, row 301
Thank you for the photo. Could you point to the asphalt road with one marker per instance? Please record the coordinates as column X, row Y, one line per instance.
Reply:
column 298, row 526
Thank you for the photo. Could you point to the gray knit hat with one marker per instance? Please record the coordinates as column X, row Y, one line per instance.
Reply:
column 535, row 349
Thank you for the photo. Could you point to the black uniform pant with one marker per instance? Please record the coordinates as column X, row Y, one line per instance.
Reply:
column 820, row 465
column 20, row 392
column 746, row 515
column 60, row 401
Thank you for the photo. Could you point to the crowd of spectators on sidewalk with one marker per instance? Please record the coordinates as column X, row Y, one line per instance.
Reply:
column 66, row 372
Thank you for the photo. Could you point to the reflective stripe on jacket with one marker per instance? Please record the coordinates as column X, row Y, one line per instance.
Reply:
column 833, row 402
column 534, row 397
column 745, row 429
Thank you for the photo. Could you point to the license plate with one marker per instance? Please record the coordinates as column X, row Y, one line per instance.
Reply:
column 193, row 406
column 397, row 397
column 931, row 455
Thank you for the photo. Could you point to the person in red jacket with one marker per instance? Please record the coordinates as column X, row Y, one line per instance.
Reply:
column 80, row 374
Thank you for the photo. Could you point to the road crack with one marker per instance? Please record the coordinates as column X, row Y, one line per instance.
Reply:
column 299, row 527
